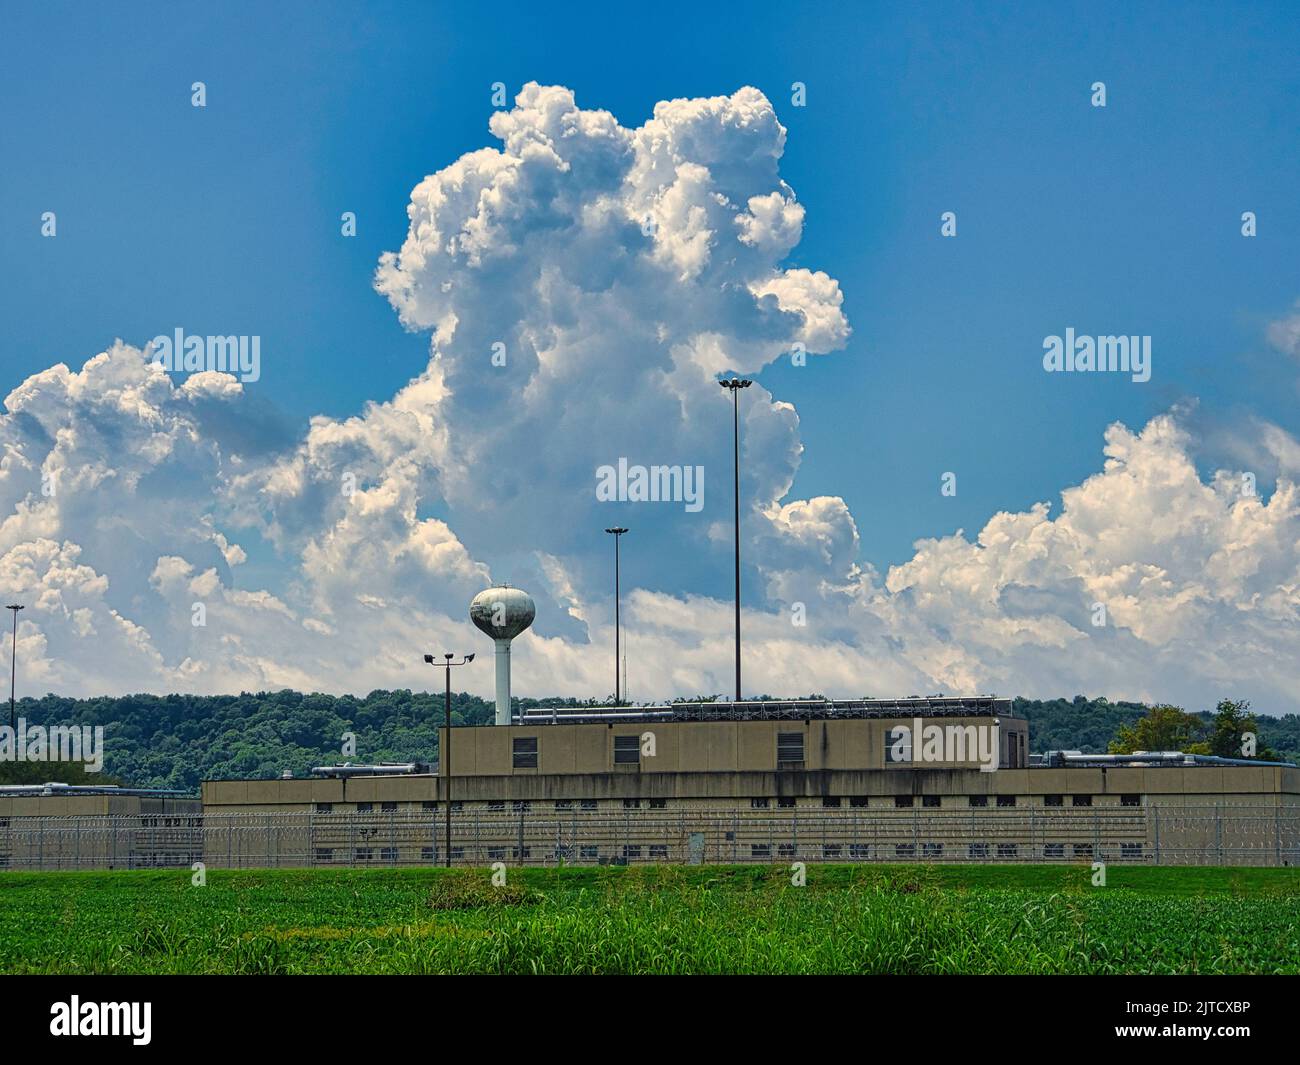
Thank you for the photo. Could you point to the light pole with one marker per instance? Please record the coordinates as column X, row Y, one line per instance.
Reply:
column 734, row 385
column 13, row 666
column 618, row 533
column 444, row 756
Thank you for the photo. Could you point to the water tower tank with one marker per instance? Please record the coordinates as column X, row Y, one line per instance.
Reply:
column 503, row 613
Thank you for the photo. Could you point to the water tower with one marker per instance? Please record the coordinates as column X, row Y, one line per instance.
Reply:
column 503, row 613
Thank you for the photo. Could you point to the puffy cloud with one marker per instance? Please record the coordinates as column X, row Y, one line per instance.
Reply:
column 619, row 271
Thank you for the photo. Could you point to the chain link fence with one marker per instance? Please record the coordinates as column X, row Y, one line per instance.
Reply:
column 1218, row 835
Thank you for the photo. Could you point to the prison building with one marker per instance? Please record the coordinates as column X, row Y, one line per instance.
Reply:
column 742, row 782
column 69, row 826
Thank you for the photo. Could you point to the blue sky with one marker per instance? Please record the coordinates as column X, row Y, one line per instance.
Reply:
column 1123, row 219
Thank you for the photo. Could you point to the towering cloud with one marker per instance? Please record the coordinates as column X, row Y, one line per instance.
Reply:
column 583, row 286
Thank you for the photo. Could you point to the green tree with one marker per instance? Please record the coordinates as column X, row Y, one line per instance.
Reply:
column 1231, row 721
column 1164, row 728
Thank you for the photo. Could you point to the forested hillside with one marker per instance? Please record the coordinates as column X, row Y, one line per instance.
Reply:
column 175, row 741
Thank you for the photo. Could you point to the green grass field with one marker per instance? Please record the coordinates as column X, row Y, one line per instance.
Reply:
column 668, row 919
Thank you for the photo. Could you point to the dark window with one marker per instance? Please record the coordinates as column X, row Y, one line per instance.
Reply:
column 426, row 854
column 388, row 854
column 860, row 851
column 659, row 804
column 929, row 800
column 1130, row 850
column 785, row 850
column 1006, row 800
column 324, row 807
column 456, row 806
column 524, row 750
column 1130, row 800
column 932, row 850
column 497, row 804
column 564, row 804
column 631, row 804
column 978, row 850
column 858, row 801
column 905, row 850
column 388, row 807
column 631, row 851
column 1083, row 850
column 457, row 852
column 979, row 800
column 786, row 802
column 831, row 850
column 324, row 854
column 1053, row 800
column 1053, row 850
column 789, row 750
column 1007, row 850
column 758, row 804
column 589, row 854
column 587, row 804
column 365, row 854
column 658, row 850
column 427, row 805
column 365, row 807
column 760, row 850
column 521, row 852
column 627, row 750
column 902, row 802
column 495, row 854
column 521, row 805
column 831, row 802
column 1081, row 800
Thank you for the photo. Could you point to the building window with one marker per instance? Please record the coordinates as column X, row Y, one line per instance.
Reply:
column 388, row 854
column 388, row 807
column 587, row 804
column 324, row 807
column 1053, row 800
column 497, row 804
column 1053, row 850
column 426, row 854
column 1007, row 850
column 831, row 850
column 978, row 850
column 365, row 807
column 631, row 850
column 858, row 801
column 1083, row 850
column 589, row 854
column 496, row 854
column 902, row 802
column 904, row 850
column 1081, row 800
column 930, row 800
column 627, row 750
column 524, row 752
column 564, row 804
column 631, row 804
column 521, row 806
column 932, row 850
column 365, row 854
column 785, row 802
column 1006, row 800
column 1130, row 800
column 428, row 805
column 324, row 854
column 831, row 802
column 785, row 850
column 659, row 851
column 659, row 804
column 789, row 750
column 521, row 852
column 760, row 850
column 758, row 804
column 457, row 852
column 859, row 851
column 979, row 800
column 1130, row 850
